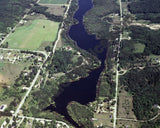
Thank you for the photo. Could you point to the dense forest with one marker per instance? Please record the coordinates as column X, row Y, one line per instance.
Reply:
column 81, row 114
column 146, row 9
column 148, row 37
column 11, row 11
column 94, row 19
column 144, row 86
column 143, row 36
column 61, row 61
column 145, row 6
column 106, row 85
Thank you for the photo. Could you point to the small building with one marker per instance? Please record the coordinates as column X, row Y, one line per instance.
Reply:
column 158, row 106
column 26, row 74
column 69, row 48
column 40, row 59
column 1, row 57
column 12, row 111
column 21, row 22
column 25, row 88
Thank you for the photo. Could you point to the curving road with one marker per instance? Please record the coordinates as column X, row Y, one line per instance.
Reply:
column 41, row 119
column 42, row 52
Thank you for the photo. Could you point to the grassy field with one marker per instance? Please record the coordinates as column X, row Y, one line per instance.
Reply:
column 9, row 72
column 53, row 1
column 32, row 35
column 139, row 47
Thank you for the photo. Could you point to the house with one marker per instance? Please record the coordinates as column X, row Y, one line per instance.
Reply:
column 40, row 59
column 25, row 88
column 21, row 22
column 26, row 74
column 1, row 57
column 69, row 48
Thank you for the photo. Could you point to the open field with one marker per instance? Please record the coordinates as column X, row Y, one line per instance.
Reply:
column 9, row 72
column 127, row 124
column 32, row 35
column 125, row 106
column 53, row 1
column 103, row 119
column 139, row 48
column 55, row 9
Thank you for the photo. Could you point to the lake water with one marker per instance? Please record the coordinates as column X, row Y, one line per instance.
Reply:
column 83, row 90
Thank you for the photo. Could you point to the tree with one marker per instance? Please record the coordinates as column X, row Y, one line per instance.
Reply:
column 7, row 120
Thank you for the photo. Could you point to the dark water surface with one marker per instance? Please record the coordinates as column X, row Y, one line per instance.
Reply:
column 83, row 90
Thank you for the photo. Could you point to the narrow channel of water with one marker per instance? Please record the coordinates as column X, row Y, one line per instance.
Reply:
column 84, row 90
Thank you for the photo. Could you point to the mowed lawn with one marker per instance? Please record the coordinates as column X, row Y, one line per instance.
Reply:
column 31, row 36
column 53, row 1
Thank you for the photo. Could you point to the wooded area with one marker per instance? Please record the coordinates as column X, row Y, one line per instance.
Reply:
column 94, row 19
column 81, row 114
column 144, row 86
column 146, row 9
column 11, row 11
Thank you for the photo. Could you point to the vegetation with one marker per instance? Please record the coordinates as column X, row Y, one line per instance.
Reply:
column 146, row 9
column 144, row 87
column 22, row 38
column 106, row 85
column 143, row 83
column 148, row 37
column 81, row 114
column 94, row 19
column 4, row 45
column 151, row 124
column 143, row 43
column 41, row 99
column 61, row 61
column 129, row 56
column 145, row 6
column 42, row 10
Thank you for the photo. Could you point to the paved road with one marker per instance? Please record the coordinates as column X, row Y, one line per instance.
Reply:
column 41, row 119
column 153, row 118
column 60, row 30
column 117, row 72
column 24, row 98
column 42, row 52
column 127, row 119
column 66, row 13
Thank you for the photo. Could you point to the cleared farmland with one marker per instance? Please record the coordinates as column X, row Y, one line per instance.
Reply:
column 32, row 35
